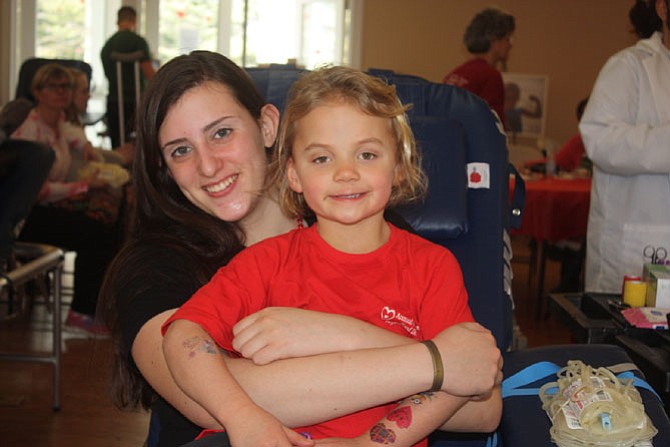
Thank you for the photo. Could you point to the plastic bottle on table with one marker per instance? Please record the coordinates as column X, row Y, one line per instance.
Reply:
column 550, row 164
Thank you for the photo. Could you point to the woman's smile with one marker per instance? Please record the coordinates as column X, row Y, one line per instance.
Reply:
column 222, row 185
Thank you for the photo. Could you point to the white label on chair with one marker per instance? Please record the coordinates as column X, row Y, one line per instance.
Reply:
column 479, row 175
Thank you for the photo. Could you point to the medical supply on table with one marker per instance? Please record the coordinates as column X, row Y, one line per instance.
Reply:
column 592, row 407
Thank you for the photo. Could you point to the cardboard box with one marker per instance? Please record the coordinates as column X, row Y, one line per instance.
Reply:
column 658, row 285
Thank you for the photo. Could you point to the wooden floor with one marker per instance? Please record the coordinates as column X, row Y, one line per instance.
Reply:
column 546, row 330
column 88, row 418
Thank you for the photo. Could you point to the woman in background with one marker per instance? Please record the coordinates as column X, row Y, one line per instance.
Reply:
column 62, row 216
column 123, row 155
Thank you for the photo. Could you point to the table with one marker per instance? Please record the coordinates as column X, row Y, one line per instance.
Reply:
column 596, row 318
column 556, row 208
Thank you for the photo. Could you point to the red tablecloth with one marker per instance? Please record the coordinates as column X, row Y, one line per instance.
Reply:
column 556, row 208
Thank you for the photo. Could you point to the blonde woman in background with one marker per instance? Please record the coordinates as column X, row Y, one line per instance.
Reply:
column 81, row 93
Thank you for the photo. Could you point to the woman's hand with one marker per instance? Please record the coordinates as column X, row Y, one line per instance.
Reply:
column 257, row 428
column 284, row 332
column 89, row 153
column 127, row 152
column 94, row 181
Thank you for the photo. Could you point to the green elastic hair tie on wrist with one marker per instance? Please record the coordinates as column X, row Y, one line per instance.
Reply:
column 438, row 368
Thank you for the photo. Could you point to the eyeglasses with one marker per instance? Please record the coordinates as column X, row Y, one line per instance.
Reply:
column 56, row 87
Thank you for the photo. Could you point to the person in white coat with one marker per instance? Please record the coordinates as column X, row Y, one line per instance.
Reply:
column 626, row 131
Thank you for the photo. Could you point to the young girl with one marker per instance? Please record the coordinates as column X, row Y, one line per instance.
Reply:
column 345, row 153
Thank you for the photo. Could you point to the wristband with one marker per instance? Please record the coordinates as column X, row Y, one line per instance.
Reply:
column 438, row 368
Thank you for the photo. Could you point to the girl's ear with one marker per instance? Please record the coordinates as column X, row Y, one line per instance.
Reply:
column 292, row 176
column 269, row 123
column 398, row 173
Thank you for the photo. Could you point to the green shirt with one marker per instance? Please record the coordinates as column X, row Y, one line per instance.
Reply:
column 125, row 41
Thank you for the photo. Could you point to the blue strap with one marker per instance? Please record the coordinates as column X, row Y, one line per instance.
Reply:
column 514, row 385
column 492, row 441
column 639, row 383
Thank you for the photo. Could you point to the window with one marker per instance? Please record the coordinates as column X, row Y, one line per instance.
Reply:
column 72, row 29
column 255, row 32
column 61, row 29
column 185, row 26
column 250, row 32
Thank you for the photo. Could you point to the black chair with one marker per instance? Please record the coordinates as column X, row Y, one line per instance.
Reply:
column 27, row 72
column 24, row 167
column 30, row 66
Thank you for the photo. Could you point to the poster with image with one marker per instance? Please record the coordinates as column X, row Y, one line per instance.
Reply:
column 525, row 104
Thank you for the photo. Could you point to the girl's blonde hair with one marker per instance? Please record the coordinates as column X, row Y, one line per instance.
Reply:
column 374, row 97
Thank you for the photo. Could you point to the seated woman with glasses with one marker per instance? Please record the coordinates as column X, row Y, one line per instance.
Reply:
column 76, row 215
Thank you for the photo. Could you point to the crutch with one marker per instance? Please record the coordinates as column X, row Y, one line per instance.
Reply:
column 121, row 58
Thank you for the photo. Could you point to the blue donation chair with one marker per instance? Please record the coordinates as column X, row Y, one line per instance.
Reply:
column 468, row 211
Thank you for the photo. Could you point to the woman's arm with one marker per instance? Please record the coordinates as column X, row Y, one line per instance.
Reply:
column 477, row 416
column 417, row 416
column 298, row 391
column 412, row 420
column 198, row 368
column 304, row 391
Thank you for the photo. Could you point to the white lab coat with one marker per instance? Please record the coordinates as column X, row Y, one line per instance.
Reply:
column 626, row 131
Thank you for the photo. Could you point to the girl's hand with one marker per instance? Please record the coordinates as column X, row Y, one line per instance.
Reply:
column 89, row 153
column 284, row 332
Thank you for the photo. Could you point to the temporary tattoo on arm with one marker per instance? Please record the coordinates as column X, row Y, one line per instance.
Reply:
column 402, row 416
column 197, row 344
column 382, row 435
column 419, row 399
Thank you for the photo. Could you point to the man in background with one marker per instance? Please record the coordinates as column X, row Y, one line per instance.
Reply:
column 125, row 40
column 488, row 38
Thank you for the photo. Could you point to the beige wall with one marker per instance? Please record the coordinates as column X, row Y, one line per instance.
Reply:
column 4, row 51
column 567, row 40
